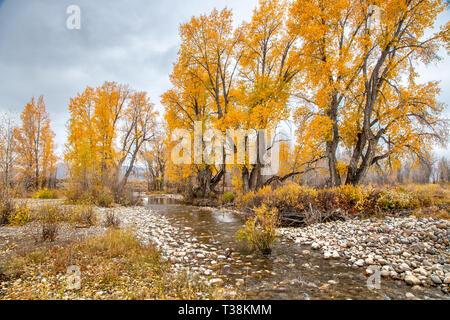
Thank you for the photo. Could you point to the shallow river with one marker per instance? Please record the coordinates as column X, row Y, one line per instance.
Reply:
column 287, row 273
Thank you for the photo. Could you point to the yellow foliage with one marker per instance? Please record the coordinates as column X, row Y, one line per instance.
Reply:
column 260, row 229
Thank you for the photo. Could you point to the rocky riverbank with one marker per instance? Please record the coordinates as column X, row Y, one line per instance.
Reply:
column 176, row 243
column 409, row 249
column 415, row 251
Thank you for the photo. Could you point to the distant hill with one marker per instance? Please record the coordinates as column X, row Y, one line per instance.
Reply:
column 62, row 172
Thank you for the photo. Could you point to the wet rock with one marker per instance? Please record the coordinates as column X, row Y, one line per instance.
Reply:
column 409, row 295
column 412, row 280
column 315, row 246
column 447, row 279
column 360, row 263
column 435, row 279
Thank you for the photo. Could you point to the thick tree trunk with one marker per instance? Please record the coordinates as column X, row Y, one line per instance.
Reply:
column 204, row 182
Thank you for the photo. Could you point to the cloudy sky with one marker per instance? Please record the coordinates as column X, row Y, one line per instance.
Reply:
column 128, row 41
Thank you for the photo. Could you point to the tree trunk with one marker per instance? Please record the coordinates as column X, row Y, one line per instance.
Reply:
column 331, row 146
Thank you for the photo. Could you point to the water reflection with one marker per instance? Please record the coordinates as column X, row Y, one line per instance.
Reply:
column 225, row 217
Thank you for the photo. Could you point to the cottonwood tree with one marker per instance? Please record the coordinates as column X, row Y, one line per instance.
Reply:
column 203, row 83
column 139, row 127
column 443, row 170
column 34, row 145
column 267, row 70
column 360, row 87
column 186, row 104
column 154, row 155
column 7, row 152
column 108, row 126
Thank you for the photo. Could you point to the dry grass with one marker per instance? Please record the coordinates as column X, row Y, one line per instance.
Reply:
column 111, row 220
column 113, row 266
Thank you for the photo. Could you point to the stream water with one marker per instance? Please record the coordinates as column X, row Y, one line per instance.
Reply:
column 289, row 272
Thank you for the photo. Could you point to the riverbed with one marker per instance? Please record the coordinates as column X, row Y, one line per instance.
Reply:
column 202, row 241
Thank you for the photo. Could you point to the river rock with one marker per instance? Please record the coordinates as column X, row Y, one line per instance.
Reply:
column 412, row 280
column 216, row 281
column 239, row 282
column 447, row 279
column 409, row 295
column 359, row 263
column 315, row 246
column 435, row 279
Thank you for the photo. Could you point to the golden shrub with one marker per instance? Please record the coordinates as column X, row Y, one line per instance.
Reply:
column 260, row 230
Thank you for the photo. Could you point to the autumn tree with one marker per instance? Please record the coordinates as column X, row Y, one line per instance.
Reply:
column 267, row 70
column 443, row 170
column 34, row 145
column 7, row 153
column 139, row 127
column 154, row 156
column 203, row 84
column 82, row 153
column 359, row 88
column 107, row 128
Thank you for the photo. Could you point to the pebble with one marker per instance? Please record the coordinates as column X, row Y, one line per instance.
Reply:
column 409, row 295
column 436, row 279
column 414, row 250
column 216, row 281
column 412, row 280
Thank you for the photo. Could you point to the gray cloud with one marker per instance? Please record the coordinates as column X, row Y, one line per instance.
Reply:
column 134, row 42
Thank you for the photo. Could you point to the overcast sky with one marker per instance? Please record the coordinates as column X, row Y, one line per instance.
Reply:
column 127, row 41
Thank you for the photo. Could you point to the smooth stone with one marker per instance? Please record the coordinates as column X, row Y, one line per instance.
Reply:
column 359, row 262
column 412, row 280
column 409, row 295
column 216, row 281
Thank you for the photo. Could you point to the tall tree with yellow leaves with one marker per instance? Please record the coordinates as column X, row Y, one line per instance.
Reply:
column 34, row 144
column 107, row 128
column 203, row 83
column 359, row 85
column 267, row 71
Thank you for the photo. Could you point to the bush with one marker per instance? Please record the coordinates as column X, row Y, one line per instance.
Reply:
column 228, row 197
column 21, row 215
column 84, row 215
column 53, row 213
column 397, row 200
column 291, row 197
column 112, row 220
column 49, row 231
column 45, row 194
column 299, row 205
column 94, row 195
column 255, row 199
column 260, row 230
column 7, row 210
